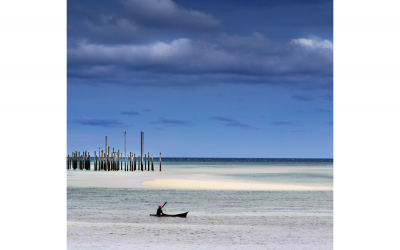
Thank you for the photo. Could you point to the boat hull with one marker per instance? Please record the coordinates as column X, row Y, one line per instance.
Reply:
column 183, row 215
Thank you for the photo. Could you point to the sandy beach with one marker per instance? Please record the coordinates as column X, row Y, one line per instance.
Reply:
column 197, row 178
column 201, row 184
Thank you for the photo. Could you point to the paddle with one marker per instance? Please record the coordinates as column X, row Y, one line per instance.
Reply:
column 164, row 204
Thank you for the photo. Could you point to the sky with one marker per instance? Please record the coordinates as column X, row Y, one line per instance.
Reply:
column 201, row 78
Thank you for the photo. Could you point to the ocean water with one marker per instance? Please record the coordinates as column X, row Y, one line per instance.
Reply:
column 118, row 218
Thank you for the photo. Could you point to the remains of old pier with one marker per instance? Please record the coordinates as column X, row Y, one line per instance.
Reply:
column 115, row 161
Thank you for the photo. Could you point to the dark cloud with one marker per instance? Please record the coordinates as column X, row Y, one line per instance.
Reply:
column 129, row 113
column 322, row 110
column 168, row 14
column 303, row 61
column 161, row 42
column 302, row 97
column 172, row 121
column 285, row 123
column 101, row 122
column 230, row 122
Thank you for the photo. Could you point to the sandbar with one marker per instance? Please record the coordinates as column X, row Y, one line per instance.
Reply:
column 203, row 184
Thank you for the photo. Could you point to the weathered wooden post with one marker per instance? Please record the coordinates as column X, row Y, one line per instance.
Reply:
column 141, row 147
column 125, row 151
column 73, row 161
column 76, row 160
column 95, row 161
column 160, row 161
column 101, row 160
column 84, row 161
column 67, row 162
column 141, row 162
column 152, row 163
column 109, row 161
column 134, row 162
column 148, row 161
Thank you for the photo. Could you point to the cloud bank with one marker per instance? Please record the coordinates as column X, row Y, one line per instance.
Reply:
column 159, row 42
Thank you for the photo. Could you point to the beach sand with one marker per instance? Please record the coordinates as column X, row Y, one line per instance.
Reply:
column 224, row 179
column 224, row 185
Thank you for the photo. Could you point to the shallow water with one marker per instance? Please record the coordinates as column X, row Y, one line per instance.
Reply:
column 118, row 218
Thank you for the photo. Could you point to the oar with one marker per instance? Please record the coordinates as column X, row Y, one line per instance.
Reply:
column 164, row 204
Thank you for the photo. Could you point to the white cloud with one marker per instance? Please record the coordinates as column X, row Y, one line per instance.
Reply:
column 222, row 59
column 313, row 42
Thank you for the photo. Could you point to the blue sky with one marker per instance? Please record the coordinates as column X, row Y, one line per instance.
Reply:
column 201, row 78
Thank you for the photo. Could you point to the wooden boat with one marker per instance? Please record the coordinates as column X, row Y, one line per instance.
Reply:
column 183, row 215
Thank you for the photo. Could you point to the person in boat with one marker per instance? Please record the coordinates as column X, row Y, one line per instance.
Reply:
column 159, row 211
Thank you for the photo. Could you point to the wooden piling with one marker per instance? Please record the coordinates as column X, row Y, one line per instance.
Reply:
column 134, row 162
column 125, row 151
column 109, row 162
column 101, row 161
column 152, row 163
column 141, row 147
column 148, row 161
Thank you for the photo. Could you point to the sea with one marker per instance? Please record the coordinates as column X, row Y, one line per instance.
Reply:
column 104, row 217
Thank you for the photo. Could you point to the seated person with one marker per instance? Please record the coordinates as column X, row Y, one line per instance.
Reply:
column 159, row 211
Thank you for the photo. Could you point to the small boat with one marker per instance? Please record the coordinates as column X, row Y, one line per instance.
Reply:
column 183, row 215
